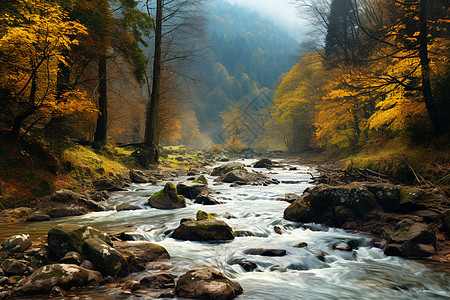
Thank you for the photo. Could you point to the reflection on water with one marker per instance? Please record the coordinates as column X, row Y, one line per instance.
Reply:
column 365, row 273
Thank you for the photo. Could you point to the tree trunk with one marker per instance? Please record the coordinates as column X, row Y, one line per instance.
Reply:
column 101, row 130
column 426, row 71
column 151, row 126
column 18, row 121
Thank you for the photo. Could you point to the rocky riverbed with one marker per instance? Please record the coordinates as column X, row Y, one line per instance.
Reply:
column 262, row 228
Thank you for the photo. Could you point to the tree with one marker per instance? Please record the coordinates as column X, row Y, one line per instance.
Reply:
column 177, row 25
column 34, row 40
column 116, row 29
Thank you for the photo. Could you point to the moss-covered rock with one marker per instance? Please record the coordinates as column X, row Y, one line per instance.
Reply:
column 64, row 238
column 204, row 282
column 167, row 198
column 299, row 211
column 146, row 251
column 105, row 258
column 204, row 230
column 203, row 215
column 65, row 276
column 201, row 179
column 413, row 199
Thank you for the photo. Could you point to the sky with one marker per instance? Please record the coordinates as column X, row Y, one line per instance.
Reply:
column 282, row 12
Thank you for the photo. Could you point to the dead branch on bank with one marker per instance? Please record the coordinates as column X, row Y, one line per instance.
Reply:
column 342, row 177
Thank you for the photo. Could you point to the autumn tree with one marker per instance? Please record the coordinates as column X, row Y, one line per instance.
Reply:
column 34, row 39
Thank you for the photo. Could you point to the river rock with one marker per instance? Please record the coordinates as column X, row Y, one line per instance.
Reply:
column 203, row 215
column 204, row 282
column 57, row 292
column 105, row 258
column 17, row 243
column 127, row 206
column 167, row 198
column 411, row 240
column 67, row 211
column 206, row 200
column 158, row 281
column 132, row 286
column 38, row 217
column 224, row 169
column 263, row 163
column 72, row 258
column 290, row 198
column 244, row 176
column 13, row 214
column 265, row 252
column 332, row 205
column 65, row 196
column 107, row 184
column 13, row 267
column 204, row 230
column 91, row 204
column 201, row 179
column 247, row 265
column 64, row 276
column 192, row 190
column 138, row 176
column 64, row 238
column 446, row 222
column 146, row 251
column 387, row 195
column 413, row 199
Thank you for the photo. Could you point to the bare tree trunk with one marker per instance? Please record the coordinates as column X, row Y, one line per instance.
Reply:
column 426, row 71
column 101, row 130
column 151, row 126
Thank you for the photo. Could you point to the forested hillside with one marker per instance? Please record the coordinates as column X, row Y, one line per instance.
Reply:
column 245, row 57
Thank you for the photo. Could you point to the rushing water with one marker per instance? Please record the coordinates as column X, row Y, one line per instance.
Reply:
column 365, row 273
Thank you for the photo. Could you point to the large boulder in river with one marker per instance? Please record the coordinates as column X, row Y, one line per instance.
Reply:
column 203, row 230
column 192, row 190
column 263, row 163
column 224, row 169
column 17, row 243
column 204, row 282
column 64, row 276
column 105, row 258
column 412, row 240
column 137, row 176
column 107, row 184
column 244, row 177
column 146, row 251
column 64, row 238
column 332, row 205
column 167, row 198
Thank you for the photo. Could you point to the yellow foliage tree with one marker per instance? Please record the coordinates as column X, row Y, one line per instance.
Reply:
column 32, row 44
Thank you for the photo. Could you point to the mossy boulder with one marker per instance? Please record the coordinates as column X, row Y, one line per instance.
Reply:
column 203, row 215
column 167, row 198
column 64, row 238
column 201, row 179
column 64, row 276
column 72, row 258
column 299, row 211
column 204, row 230
column 105, row 258
column 204, row 282
column 332, row 205
column 413, row 199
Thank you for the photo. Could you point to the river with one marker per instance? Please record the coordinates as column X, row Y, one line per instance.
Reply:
column 364, row 273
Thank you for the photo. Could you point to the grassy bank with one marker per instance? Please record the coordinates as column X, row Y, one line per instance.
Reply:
column 30, row 171
column 406, row 163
